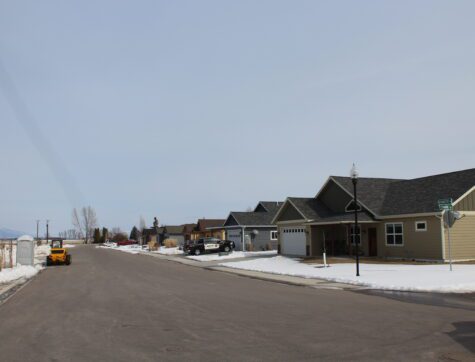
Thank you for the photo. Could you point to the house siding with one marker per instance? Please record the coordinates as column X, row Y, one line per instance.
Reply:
column 462, row 236
column 467, row 203
column 262, row 240
column 290, row 213
column 417, row 244
column 334, row 197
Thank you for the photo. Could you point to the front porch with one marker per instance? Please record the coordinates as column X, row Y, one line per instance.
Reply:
column 338, row 239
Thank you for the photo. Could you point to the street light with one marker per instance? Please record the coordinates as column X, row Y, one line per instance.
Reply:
column 356, row 234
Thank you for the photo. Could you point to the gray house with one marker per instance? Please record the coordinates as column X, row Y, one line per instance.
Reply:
column 254, row 228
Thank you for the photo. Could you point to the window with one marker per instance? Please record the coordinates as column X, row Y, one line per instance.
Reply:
column 356, row 235
column 273, row 235
column 421, row 226
column 394, row 234
column 350, row 207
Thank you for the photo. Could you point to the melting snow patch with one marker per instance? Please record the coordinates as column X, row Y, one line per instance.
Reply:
column 420, row 278
column 20, row 271
column 233, row 255
column 168, row 251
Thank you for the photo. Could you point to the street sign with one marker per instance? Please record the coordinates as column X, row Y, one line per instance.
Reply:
column 445, row 204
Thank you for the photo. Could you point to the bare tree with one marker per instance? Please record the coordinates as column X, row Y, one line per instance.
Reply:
column 85, row 221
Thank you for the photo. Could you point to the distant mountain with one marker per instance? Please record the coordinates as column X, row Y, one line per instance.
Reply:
column 9, row 233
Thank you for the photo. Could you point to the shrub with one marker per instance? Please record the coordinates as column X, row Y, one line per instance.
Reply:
column 268, row 246
column 170, row 243
column 249, row 247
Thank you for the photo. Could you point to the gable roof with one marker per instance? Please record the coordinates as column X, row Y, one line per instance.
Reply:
column 204, row 224
column 188, row 228
column 269, row 206
column 173, row 229
column 371, row 192
column 314, row 210
column 398, row 197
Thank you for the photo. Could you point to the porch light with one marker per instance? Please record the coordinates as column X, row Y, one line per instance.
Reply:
column 356, row 235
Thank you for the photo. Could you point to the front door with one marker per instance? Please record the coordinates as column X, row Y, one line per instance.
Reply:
column 372, row 242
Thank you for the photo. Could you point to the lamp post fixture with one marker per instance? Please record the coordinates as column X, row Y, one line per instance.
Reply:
column 356, row 234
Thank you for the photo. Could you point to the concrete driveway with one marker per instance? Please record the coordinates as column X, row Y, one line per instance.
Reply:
column 114, row 306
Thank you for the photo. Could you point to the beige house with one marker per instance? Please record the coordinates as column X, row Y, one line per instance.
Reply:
column 397, row 218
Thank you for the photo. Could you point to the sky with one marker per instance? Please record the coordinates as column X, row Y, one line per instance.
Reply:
column 190, row 109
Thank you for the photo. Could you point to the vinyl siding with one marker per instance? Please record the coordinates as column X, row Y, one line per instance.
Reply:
column 290, row 213
column 462, row 236
column 334, row 197
column 417, row 244
column 467, row 203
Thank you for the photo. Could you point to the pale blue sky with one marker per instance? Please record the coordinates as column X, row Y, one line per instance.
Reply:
column 185, row 109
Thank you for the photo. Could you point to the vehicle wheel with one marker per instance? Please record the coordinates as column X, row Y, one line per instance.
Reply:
column 48, row 262
column 68, row 260
column 227, row 249
column 197, row 251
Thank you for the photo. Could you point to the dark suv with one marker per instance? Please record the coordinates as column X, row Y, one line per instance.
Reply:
column 207, row 245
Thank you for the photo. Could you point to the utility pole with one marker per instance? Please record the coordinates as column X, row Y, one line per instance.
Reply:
column 47, row 231
column 37, row 230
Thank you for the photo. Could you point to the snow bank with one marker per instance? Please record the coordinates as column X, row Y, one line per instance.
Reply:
column 420, row 278
column 168, row 251
column 233, row 255
column 20, row 271
column 69, row 246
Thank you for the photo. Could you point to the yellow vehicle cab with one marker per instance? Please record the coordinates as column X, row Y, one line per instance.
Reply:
column 59, row 255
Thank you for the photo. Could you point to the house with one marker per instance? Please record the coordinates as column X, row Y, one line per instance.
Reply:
column 206, row 228
column 254, row 228
column 397, row 218
column 187, row 230
column 153, row 234
column 175, row 232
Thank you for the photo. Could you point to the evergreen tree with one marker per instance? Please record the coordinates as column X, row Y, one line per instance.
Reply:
column 97, row 236
column 105, row 235
column 134, row 234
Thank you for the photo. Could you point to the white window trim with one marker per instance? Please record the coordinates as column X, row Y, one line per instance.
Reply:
column 420, row 222
column 386, row 234
column 358, row 206
column 352, row 235
column 271, row 232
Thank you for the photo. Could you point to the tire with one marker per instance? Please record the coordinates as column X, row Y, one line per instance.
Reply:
column 197, row 252
column 227, row 249
column 68, row 260
column 48, row 262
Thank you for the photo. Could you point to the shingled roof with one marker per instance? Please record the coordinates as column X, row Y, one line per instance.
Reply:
column 397, row 197
column 257, row 218
column 174, row 229
column 204, row 224
column 315, row 210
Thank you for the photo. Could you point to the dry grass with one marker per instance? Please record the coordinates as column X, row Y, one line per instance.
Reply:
column 366, row 260
column 170, row 243
column 249, row 247
column 152, row 245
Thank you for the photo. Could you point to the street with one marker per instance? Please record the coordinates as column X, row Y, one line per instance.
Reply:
column 113, row 306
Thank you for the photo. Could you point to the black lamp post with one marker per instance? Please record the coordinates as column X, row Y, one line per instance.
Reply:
column 356, row 234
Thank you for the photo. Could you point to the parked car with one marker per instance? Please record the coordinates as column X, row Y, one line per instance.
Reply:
column 127, row 242
column 207, row 245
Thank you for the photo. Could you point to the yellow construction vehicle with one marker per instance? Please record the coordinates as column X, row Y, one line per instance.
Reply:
column 59, row 255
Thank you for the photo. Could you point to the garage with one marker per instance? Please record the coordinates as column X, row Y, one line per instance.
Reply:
column 234, row 235
column 293, row 241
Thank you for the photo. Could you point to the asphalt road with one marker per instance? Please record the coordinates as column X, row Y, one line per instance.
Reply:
column 113, row 306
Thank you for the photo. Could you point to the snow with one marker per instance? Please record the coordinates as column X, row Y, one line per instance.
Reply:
column 168, row 251
column 131, row 249
column 20, row 271
column 233, row 255
column 26, row 238
column 69, row 246
column 403, row 277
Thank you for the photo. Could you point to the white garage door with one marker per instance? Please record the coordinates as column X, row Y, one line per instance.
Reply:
column 293, row 241
column 235, row 235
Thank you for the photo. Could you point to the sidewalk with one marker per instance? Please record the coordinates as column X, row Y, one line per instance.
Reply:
column 285, row 279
